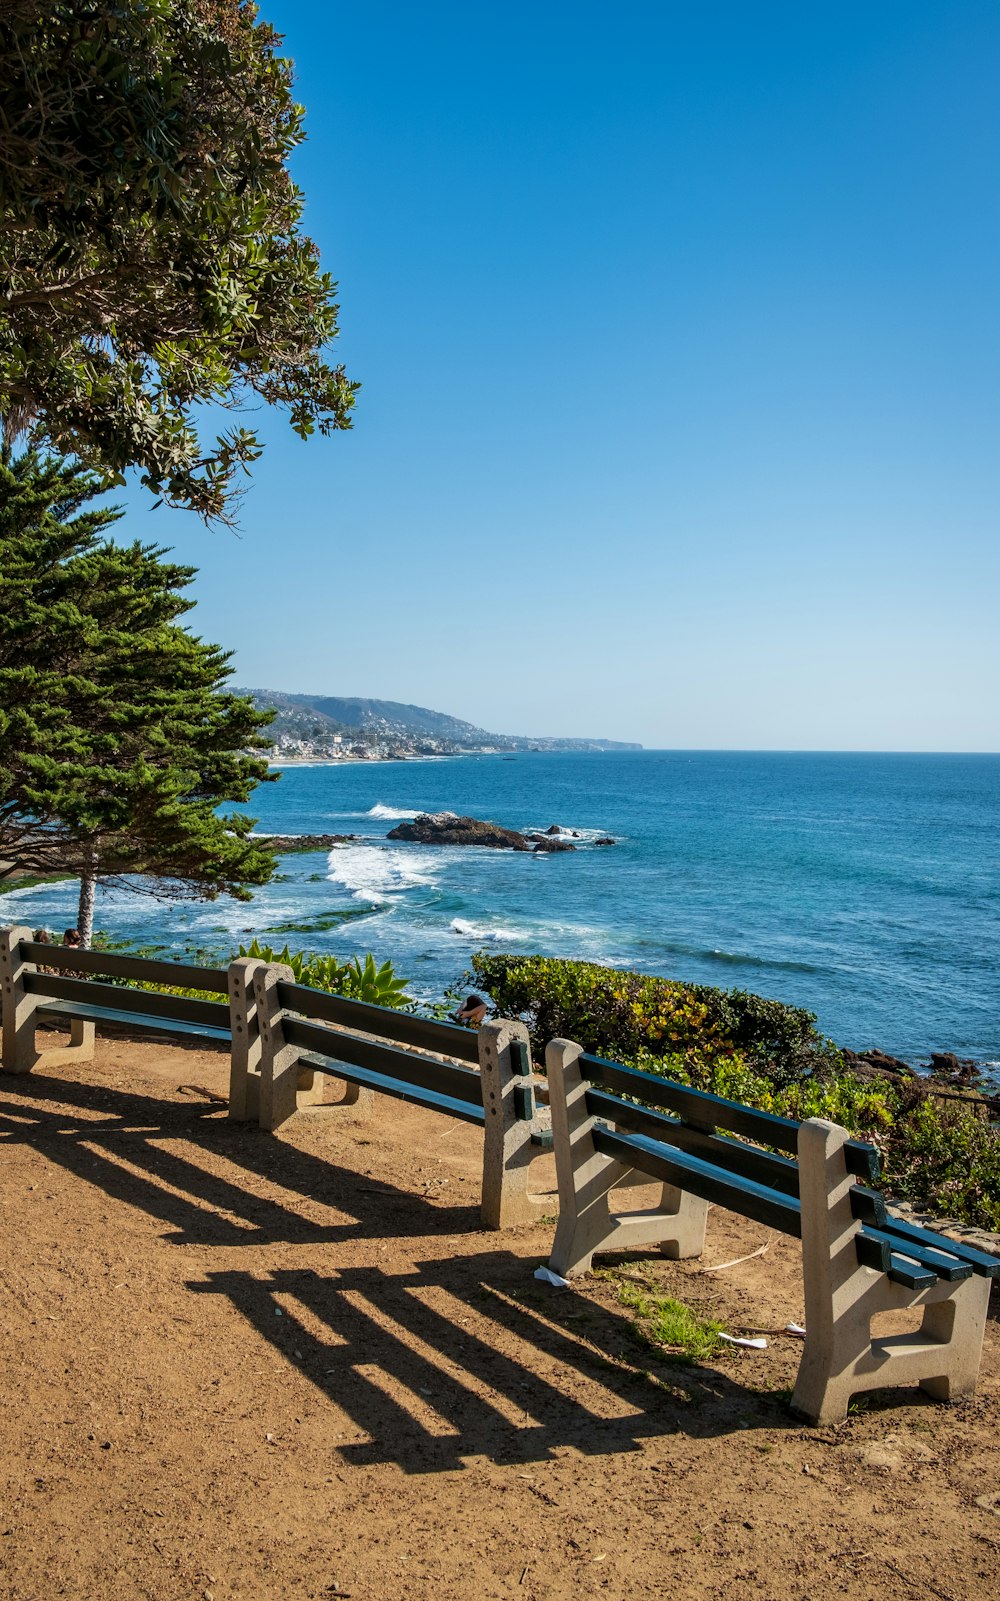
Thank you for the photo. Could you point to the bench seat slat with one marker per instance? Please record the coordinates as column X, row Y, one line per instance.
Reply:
column 108, row 1014
column 938, row 1261
column 874, row 1252
column 702, row 1178
column 775, row 1172
column 986, row 1266
column 385, row 1085
column 709, row 1112
column 911, row 1274
column 421, row 1072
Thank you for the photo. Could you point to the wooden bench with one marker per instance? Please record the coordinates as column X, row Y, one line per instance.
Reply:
column 284, row 1040
column 858, row 1260
column 78, row 993
column 295, row 1031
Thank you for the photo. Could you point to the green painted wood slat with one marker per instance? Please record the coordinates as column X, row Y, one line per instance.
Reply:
column 139, row 1003
column 702, row 1178
column 443, row 1078
column 384, row 1085
column 183, row 974
column 710, row 1112
column 447, row 1038
column 108, row 1014
column 775, row 1172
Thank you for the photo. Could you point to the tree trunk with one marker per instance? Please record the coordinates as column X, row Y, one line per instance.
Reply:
column 85, row 916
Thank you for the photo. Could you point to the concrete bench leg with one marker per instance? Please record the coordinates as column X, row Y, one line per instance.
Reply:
column 507, row 1149
column 245, row 1051
column 840, row 1357
column 313, row 1089
column 279, row 1061
column 19, row 1015
column 587, row 1178
column 19, row 1009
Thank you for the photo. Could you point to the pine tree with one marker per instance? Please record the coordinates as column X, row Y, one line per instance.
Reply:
column 118, row 741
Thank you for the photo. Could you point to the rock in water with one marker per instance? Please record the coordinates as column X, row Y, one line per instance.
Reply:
column 606, row 841
column 444, row 828
column 284, row 844
column 547, row 845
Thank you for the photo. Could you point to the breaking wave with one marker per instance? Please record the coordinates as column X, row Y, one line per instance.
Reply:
column 376, row 874
column 394, row 813
column 494, row 936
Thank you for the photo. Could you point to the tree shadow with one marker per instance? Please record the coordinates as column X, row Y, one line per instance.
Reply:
column 456, row 1359
column 122, row 1144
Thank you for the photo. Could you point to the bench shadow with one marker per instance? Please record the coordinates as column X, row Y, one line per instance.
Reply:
column 120, row 1143
column 420, row 1361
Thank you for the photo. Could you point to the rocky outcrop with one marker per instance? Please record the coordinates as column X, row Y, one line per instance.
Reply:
column 607, row 840
column 444, row 828
column 284, row 844
column 542, row 843
column 876, row 1064
column 955, row 1069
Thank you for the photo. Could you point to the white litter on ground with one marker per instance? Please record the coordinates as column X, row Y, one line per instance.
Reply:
column 548, row 1277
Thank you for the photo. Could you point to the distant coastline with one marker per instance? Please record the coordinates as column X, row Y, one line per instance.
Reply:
column 335, row 728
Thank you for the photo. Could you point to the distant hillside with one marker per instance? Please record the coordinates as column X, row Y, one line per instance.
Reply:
column 318, row 720
column 388, row 717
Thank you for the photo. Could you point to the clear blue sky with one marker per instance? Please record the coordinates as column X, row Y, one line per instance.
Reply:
column 679, row 333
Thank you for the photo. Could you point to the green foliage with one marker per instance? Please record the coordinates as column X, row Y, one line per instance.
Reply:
column 359, row 980
column 941, row 1154
column 151, row 253
column 118, row 740
column 618, row 1013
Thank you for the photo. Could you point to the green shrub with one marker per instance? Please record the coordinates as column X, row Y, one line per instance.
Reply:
column 358, row 980
column 939, row 1153
column 620, row 1014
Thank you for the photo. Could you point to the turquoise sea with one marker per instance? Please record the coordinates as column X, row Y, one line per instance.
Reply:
column 864, row 887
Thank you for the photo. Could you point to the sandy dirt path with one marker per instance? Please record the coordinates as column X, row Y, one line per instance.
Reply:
column 244, row 1366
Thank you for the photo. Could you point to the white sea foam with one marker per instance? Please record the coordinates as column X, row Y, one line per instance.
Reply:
column 581, row 836
column 394, row 813
column 374, row 873
column 483, row 931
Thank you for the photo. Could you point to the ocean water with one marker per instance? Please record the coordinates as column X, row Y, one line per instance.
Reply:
column 864, row 887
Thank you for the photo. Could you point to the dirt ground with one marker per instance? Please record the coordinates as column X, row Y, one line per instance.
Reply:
column 238, row 1365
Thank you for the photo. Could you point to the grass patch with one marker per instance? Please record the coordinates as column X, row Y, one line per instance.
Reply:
column 668, row 1324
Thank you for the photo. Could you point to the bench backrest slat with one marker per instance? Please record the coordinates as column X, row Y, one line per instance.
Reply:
column 139, row 1003
column 709, row 1112
column 183, row 974
column 426, row 1034
column 777, row 1172
column 443, row 1078
column 702, row 1178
